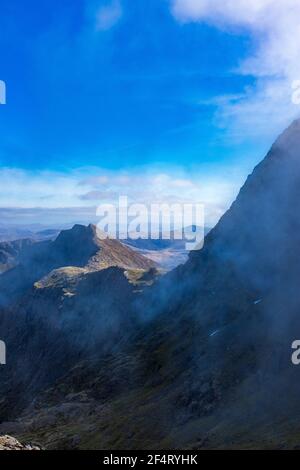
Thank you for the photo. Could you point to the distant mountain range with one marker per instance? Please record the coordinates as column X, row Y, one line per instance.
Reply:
column 198, row 358
column 13, row 232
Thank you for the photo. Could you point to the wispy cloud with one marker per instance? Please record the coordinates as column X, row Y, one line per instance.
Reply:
column 267, row 107
column 108, row 15
column 83, row 190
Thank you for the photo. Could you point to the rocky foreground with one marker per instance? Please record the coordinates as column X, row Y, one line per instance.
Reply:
column 10, row 443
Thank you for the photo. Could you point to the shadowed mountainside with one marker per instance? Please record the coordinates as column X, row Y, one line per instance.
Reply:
column 10, row 253
column 64, row 301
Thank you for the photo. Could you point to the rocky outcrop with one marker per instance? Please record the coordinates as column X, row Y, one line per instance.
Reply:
column 10, row 443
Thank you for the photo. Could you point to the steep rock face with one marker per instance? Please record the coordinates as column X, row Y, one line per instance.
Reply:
column 75, row 247
column 252, row 255
column 248, row 271
column 243, row 290
column 260, row 234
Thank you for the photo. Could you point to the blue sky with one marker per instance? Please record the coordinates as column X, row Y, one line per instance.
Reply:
column 100, row 91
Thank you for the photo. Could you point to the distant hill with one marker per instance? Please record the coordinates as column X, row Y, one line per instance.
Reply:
column 13, row 232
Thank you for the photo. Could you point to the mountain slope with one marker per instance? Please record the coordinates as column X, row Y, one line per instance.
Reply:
column 64, row 301
column 10, row 253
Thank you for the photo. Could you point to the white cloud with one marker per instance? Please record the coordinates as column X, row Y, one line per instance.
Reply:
column 274, row 26
column 87, row 188
column 108, row 16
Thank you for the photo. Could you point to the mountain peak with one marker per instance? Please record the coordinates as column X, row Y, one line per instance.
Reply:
column 77, row 245
column 77, row 231
column 263, row 221
column 290, row 138
column 81, row 246
column 288, row 142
